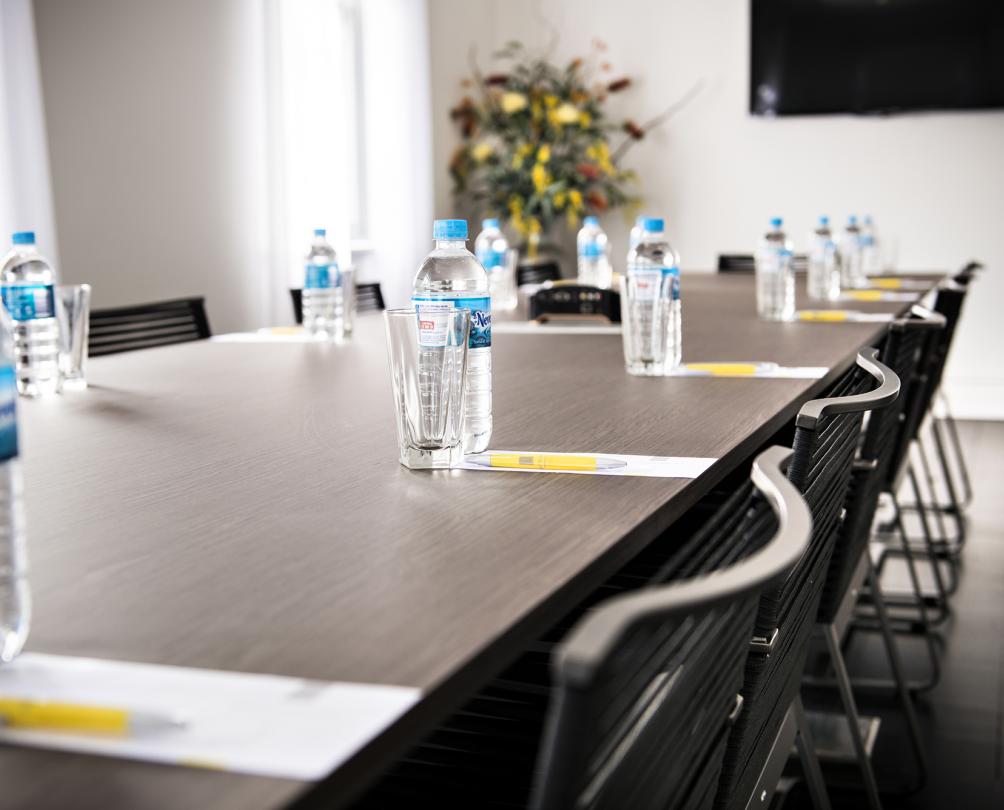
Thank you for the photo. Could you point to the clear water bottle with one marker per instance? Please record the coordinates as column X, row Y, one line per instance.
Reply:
column 15, row 600
column 594, row 258
column 824, row 264
column 775, row 276
column 28, row 288
column 490, row 247
column 450, row 277
column 654, row 257
column 852, row 273
column 323, row 297
column 636, row 231
column 871, row 259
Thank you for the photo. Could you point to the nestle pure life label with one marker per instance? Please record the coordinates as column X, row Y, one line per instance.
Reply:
column 434, row 320
column 8, row 412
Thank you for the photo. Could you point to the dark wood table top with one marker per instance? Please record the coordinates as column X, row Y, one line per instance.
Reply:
column 241, row 507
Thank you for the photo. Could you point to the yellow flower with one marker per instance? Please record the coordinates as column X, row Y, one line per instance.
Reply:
column 550, row 101
column 534, row 225
column 575, row 198
column 544, row 154
column 481, row 151
column 520, row 155
column 541, row 177
column 560, row 197
column 513, row 102
column 566, row 114
column 573, row 218
column 585, row 119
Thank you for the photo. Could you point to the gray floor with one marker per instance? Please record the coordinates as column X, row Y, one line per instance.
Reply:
column 962, row 719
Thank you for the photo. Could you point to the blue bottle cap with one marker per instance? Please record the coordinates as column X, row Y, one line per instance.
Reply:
column 852, row 220
column 24, row 238
column 449, row 229
column 491, row 222
column 653, row 224
column 591, row 221
column 824, row 220
column 320, row 231
column 776, row 222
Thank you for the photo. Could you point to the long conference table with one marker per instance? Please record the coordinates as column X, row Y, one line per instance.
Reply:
column 240, row 507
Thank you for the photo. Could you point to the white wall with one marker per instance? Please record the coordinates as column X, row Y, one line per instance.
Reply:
column 156, row 127
column 933, row 182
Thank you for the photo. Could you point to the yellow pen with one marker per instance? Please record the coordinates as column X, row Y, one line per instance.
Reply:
column 49, row 716
column 833, row 315
column 545, row 461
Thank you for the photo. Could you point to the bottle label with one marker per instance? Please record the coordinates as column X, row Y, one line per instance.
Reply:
column 591, row 250
column 651, row 283
column 321, row 276
column 26, row 302
column 8, row 412
column 491, row 258
column 433, row 321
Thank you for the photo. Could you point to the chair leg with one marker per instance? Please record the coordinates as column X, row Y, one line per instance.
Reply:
column 905, row 698
column 955, row 507
column 929, row 542
column 810, row 762
column 935, row 503
column 853, row 720
column 945, row 547
column 960, row 457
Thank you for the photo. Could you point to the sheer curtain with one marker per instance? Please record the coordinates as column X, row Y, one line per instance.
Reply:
column 25, row 188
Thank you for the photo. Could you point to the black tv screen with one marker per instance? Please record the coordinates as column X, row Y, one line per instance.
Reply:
column 876, row 56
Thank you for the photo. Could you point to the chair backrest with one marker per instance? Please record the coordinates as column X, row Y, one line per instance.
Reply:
column 744, row 262
column 124, row 329
column 537, row 272
column 369, row 297
column 646, row 684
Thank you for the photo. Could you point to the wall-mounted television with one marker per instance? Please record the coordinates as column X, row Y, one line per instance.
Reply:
column 875, row 56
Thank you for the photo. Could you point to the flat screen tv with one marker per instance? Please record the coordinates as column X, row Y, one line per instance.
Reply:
column 876, row 56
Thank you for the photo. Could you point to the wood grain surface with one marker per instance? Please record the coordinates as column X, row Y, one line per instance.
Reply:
column 241, row 507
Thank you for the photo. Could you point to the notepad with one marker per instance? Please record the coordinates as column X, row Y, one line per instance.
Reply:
column 749, row 369
column 880, row 283
column 617, row 464
column 878, row 295
column 256, row 724
column 842, row 316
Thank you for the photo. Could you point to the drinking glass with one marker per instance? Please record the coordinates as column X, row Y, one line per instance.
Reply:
column 775, row 285
column 73, row 311
column 647, row 321
column 348, row 300
column 428, row 369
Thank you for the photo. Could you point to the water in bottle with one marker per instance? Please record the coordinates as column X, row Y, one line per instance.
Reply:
column 852, row 274
column 490, row 247
column 15, row 603
column 323, row 297
column 653, row 265
column 775, row 277
column 871, row 259
column 636, row 231
column 594, row 258
column 450, row 277
column 824, row 264
column 28, row 289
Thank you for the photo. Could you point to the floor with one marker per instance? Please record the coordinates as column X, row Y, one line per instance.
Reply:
column 962, row 718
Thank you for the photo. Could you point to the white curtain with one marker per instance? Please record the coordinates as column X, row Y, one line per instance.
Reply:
column 25, row 189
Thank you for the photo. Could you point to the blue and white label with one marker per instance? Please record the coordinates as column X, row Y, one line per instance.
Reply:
column 491, row 258
column 433, row 322
column 321, row 276
column 8, row 412
column 27, row 302
column 650, row 283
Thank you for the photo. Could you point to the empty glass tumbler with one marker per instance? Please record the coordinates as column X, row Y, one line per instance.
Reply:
column 647, row 321
column 428, row 368
column 73, row 311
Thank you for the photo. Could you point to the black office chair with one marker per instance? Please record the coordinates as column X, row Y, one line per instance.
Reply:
column 646, row 684
column 537, row 272
column 744, row 262
column 826, row 438
column 368, row 298
column 125, row 329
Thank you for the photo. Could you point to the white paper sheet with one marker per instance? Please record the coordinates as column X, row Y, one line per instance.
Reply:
column 256, row 724
column 631, row 465
column 894, row 283
column 879, row 295
column 749, row 369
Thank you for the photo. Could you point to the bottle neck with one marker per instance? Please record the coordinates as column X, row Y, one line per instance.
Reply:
column 451, row 244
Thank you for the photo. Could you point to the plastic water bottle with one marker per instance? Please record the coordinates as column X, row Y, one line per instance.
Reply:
column 28, row 289
column 653, row 254
column 15, row 600
column 871, row 260
column 775, row 277
column 490, row 247
column 636, row 231
column 852, row 272
column 448, row 278
column 824, row 264
column 594, row 259
column 323, row 297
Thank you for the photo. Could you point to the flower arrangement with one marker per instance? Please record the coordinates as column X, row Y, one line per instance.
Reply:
column 537, row 142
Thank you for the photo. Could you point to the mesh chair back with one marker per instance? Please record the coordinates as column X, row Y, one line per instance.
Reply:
column 537, row 272
column 646, row 683
column 744, row 262
column 124, row 329
column 369, row 297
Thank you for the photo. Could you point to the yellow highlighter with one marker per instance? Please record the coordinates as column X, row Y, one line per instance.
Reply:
column 724, row 369
column 46, row 716
column 546, row 461
column 886, row 283
column 865, row 295
column 827, row 315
